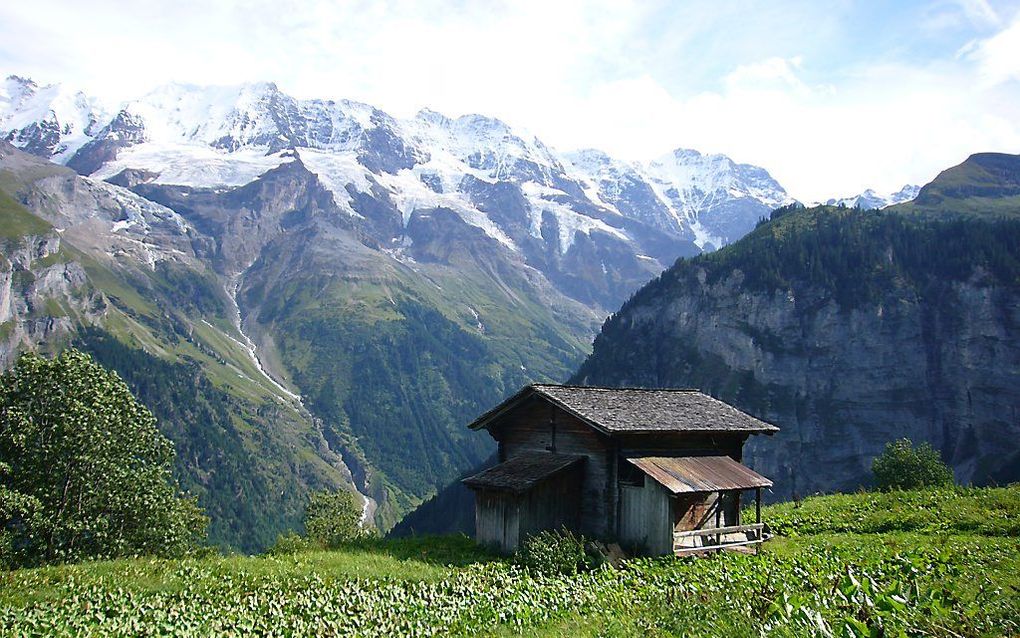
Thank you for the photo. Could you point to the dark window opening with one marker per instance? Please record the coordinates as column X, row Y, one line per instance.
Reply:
column 630, row 475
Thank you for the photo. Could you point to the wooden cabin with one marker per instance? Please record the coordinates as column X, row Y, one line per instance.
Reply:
column 656, row 470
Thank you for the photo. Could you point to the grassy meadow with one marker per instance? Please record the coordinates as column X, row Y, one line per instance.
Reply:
column 927, row 563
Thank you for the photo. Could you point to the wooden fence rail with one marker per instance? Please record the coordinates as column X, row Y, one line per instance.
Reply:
column 716, row 531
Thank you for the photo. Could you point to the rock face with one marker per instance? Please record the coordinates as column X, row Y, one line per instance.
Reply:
column 839, row 383
column 847, row 329
column 44, row 296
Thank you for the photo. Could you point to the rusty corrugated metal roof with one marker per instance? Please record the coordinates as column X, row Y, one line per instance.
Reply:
column 689, row 474
column 522, row 472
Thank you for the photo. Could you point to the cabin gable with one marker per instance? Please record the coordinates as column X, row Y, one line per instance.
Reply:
column 539, row 426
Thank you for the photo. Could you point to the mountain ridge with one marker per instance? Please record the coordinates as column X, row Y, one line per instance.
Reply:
column 250, row 125
column 847, row 328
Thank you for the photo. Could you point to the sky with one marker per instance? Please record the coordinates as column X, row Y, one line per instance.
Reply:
column 830, row 96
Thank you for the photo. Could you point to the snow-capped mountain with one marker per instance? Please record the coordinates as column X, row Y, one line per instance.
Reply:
column 221, row 137
column 869, row 199
column 710, row 196
column 49, row 121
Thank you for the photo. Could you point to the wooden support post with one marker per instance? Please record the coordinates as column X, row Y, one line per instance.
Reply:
column 757, row 506
column 718, row 516
column 757, row 516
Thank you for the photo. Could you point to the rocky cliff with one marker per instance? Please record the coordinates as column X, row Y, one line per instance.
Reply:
column 44, row 296
column 847, row 329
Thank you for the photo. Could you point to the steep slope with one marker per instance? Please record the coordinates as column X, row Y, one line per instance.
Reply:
column 92, row 264
column 391, row 347
column 400, row 275
column 848, row 329
column 986, row 185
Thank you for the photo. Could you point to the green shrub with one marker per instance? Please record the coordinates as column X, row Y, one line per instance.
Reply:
column 557, row 552
column 292, row 543
column 85, row 472
column 903, row 467
column 333, row 518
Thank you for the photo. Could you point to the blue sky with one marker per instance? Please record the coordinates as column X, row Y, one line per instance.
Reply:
column 830, row 96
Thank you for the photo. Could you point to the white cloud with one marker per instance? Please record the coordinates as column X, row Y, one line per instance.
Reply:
column 773, row 83
column 979, row 12
column 997, row 57
column 881, row 128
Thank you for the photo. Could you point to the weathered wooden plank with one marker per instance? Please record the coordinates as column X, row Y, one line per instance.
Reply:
column 542, row 427
column 646, row 518
column 679, row 551
column 713, row 531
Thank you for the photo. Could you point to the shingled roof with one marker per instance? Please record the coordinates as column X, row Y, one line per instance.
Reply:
column 522, row 472
column 636, row 410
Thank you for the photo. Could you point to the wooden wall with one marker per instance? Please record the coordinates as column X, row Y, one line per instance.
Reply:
column 681, row 443
column 497, row 520
column 504, row 519
column 552, row 504
column 646, row 519
column 539, row 426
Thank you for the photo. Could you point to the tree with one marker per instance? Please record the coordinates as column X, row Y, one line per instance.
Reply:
column 903, row 467
column 14, row 506
column 333, row 518
column 87, row 474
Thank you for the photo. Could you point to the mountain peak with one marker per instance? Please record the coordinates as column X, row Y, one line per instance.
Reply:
column 433, row 117
column 24, row 83
column 50, row 120
column 977, row 186
column 870, row 199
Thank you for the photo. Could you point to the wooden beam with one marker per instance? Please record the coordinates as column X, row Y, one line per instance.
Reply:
column 757, row 505
column 712, row 531
column 677, row 551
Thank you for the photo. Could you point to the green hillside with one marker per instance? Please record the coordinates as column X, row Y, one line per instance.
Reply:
column 250, row 455
column 853, row 256
column 986, row 185
column 15, row 221
column 942, row 563
column 395, row 361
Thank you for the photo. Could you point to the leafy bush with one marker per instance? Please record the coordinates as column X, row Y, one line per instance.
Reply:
column 14, row 507
column 88, row 475
column 333, row 518
column 557, row 552
column 903, row 467
column 292, row 543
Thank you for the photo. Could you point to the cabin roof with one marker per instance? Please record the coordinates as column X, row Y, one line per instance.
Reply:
column 693, row 474
column 636, row 410
column 522, row 472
